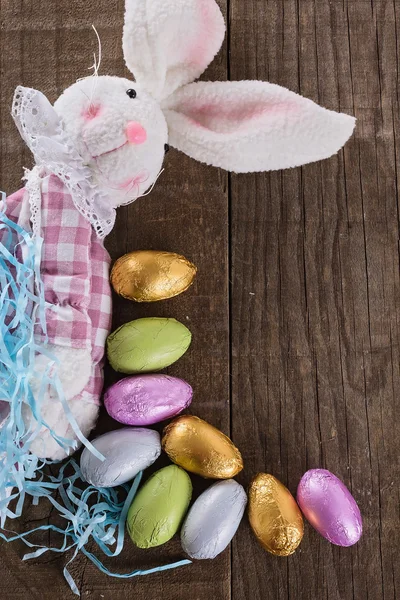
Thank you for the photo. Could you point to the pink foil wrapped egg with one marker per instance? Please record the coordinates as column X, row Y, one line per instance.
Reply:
column 330, row 508
column 147, row 399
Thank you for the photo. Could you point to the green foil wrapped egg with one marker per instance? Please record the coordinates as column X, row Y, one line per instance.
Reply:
column 157, row 511
column 147, row 345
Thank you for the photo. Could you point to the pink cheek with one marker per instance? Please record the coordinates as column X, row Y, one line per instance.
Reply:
column 91, row 112
column 135, row 133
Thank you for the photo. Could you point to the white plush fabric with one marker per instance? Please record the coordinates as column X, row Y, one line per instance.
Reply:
column 168, row 43
column 85, row 414
column 96, row 113
column 246, row 126
column 74, row 368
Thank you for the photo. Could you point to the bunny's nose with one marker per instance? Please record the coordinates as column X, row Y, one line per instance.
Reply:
column 135, row 133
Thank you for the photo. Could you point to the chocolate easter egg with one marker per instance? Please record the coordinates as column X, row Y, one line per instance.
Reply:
column 159, row 507
column 200, row 448
column 147, row 399
column 151, row 275
column 213, row 520
column 127, row 451
column 274, row 515
column 330, row 508
column 147, row 345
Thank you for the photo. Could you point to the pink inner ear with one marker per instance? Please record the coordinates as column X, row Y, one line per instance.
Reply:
column 225, row 116
column 198, row 50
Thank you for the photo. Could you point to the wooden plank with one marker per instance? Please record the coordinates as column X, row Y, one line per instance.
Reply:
column 315, row 278
column 315, row 287
column 48, row 45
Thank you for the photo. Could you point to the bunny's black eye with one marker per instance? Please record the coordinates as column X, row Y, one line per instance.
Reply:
column 166, row 148
column 131, row 93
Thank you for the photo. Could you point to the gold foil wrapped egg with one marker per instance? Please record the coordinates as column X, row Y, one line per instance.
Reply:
column 274, row 515
column 151, row 275
column 200, row 448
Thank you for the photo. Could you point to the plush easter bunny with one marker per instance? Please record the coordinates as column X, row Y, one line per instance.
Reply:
column 102, row 145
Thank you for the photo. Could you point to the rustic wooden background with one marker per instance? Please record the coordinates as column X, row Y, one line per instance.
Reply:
column 295, row 313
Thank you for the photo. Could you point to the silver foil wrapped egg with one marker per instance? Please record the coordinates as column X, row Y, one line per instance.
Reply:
column 213, row 520
column 127, row 451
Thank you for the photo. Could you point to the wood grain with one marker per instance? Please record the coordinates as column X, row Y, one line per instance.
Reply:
column 315, row 294
column 295, row 313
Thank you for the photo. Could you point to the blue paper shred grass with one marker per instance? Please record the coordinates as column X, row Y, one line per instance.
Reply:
column 22, row 314
column 22, row 308
column 97, row 514
column 90, row 513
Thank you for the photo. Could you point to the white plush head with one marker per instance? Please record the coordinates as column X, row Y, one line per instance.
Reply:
column 120, row 127
column 119, row 130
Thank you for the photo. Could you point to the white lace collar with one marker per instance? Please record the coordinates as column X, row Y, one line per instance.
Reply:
column 42, row 130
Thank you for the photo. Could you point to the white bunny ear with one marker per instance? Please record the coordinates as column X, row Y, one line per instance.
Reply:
column 168, row 43
column 248, row 126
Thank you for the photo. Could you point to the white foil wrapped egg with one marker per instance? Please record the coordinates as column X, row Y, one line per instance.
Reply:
column 127, row 451
column 213, row 520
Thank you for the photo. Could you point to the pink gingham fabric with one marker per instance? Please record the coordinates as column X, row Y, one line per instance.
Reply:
column 75, row 272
